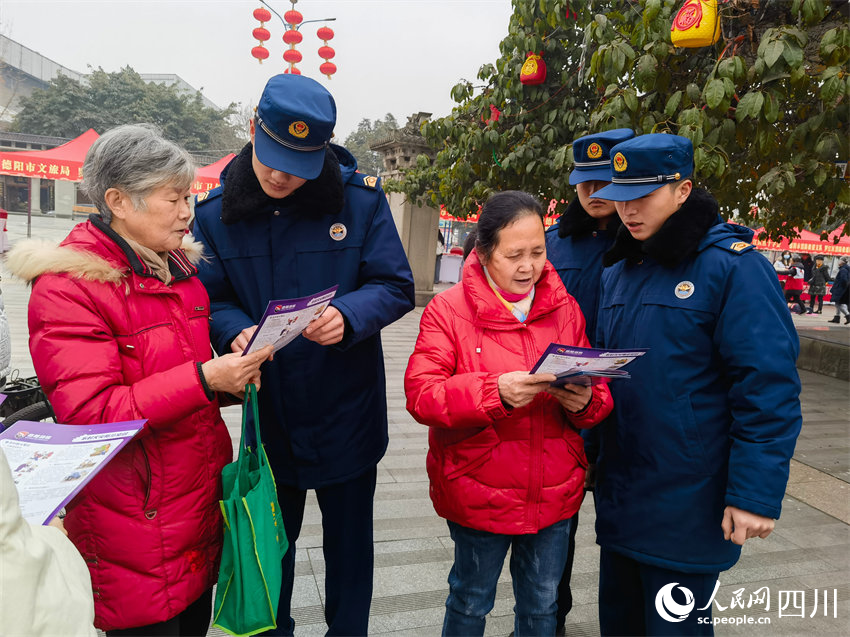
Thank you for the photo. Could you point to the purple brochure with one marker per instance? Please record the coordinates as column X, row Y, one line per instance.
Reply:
column 51, row 463
column 285, row 319
column 584, row 365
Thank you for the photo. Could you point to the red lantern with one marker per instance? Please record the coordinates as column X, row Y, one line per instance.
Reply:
column 292, row 56
column 325, row 33
column 292, row 70
column 328, row 68
column 326, row 52
column 261, row 34
column 262, row 14
column 291, row 36
column 533, row 70
column 260, row 52
column 293, row 17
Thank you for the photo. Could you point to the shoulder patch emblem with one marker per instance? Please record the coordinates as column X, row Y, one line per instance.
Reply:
column 620, row 163
column 684, row 290
column 370, row 181
column 202, row 195
column 739, row 245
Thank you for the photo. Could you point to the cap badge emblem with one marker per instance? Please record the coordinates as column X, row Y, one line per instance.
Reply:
column 684, row 290
column 299, row 129
column 620, row 163
column 594, row 151
column 338, row 232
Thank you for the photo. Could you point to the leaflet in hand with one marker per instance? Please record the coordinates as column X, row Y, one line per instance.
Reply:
column 285, row 319
column 51, row 463
column 583, row 365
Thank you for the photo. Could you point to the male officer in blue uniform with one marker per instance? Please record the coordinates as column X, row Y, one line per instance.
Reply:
column 695, row 460
column 293, row 217
column 575, row 247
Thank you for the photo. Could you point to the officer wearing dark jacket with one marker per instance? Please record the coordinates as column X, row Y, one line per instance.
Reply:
column 696, row 458
column 291, row 218
column 575, row 247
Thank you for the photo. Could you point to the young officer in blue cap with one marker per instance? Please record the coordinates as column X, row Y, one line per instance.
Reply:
column 695, row 459
column 575, row 247
column 293, row 217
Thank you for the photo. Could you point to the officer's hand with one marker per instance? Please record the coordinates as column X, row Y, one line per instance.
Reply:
column 231, row 372
column 573, row 398
column 241, row 342
column 328, row 329
column 739, row 525
column 517, row 389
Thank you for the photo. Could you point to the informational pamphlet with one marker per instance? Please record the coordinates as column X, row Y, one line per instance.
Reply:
column 51, row 463
column 287, row 318
column 584, row 365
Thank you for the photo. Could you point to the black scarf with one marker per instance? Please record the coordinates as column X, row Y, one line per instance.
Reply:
column 577, row 223
column 243, row 198
column 677, row 239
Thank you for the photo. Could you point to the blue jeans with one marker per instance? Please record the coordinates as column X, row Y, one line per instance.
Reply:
column 537, row 562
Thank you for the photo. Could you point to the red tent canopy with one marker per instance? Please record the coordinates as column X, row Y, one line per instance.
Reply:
column 206, row 177
column 808, row 242
column 64, row 162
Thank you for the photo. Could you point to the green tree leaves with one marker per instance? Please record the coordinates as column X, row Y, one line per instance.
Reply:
column 767, row 107
column 68, row 108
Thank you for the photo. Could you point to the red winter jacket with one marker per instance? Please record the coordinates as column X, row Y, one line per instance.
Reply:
column 111, row 343
column 508, row 471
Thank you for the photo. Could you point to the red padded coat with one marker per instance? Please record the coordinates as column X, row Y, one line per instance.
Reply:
column 508, row 471
column 111, row 343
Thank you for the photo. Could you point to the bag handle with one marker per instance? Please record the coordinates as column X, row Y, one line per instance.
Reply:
column 250, row 397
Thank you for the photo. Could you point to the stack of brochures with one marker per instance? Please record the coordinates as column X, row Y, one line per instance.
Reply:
column 583, row 365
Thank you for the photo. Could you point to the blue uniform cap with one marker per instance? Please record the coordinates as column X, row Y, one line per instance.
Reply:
column 592, row 155
column 642, row 165
column 295, row 121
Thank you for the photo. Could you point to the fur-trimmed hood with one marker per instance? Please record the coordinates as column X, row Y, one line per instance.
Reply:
column 86, row 255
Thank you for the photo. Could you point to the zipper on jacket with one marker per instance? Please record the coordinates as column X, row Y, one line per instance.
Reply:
column 150, row 479
column 536, row 427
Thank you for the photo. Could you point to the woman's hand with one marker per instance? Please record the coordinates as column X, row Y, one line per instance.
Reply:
column 573, row 398
column 517, row 389
column 231, row 372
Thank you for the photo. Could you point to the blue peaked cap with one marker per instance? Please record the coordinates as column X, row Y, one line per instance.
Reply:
column 642, row 165
column 295, row 122
column 592, row 155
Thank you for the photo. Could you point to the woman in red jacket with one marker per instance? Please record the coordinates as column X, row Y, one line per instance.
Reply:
column 119, row 330
column 505, row 459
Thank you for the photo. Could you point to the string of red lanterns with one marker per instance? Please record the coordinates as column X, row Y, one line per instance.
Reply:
column 292, row 36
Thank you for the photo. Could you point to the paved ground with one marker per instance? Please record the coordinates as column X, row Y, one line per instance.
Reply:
column 809, row 552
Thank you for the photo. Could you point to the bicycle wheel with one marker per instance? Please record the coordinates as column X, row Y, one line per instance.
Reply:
column 38, row 411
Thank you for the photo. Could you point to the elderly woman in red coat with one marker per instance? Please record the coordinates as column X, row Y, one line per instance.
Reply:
column 506, row 461
column 119, row 330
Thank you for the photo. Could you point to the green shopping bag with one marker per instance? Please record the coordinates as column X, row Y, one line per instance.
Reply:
column 254, row 539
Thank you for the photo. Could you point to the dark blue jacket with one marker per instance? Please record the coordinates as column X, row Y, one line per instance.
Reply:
column 323, row 411
column 711, row 414
column 842, row 280
column 575, row 247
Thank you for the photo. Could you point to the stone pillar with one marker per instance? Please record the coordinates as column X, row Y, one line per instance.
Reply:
column 65, row 194
column 417, row 225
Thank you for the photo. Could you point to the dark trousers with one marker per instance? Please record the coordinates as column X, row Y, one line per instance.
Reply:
column 347, row 548
column 565, row 594
column 192, row 622
column 627, row 598
column 812, row 298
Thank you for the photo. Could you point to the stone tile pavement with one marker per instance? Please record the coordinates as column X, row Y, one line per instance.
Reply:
column 809, row 551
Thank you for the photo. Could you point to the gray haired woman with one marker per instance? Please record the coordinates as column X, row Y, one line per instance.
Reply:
column 119, row 330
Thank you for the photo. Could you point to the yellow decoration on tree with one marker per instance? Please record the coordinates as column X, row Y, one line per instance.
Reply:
column 696, row 24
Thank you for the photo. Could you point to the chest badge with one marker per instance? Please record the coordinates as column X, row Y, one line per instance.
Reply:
column 684, row 290
column 338, row 232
